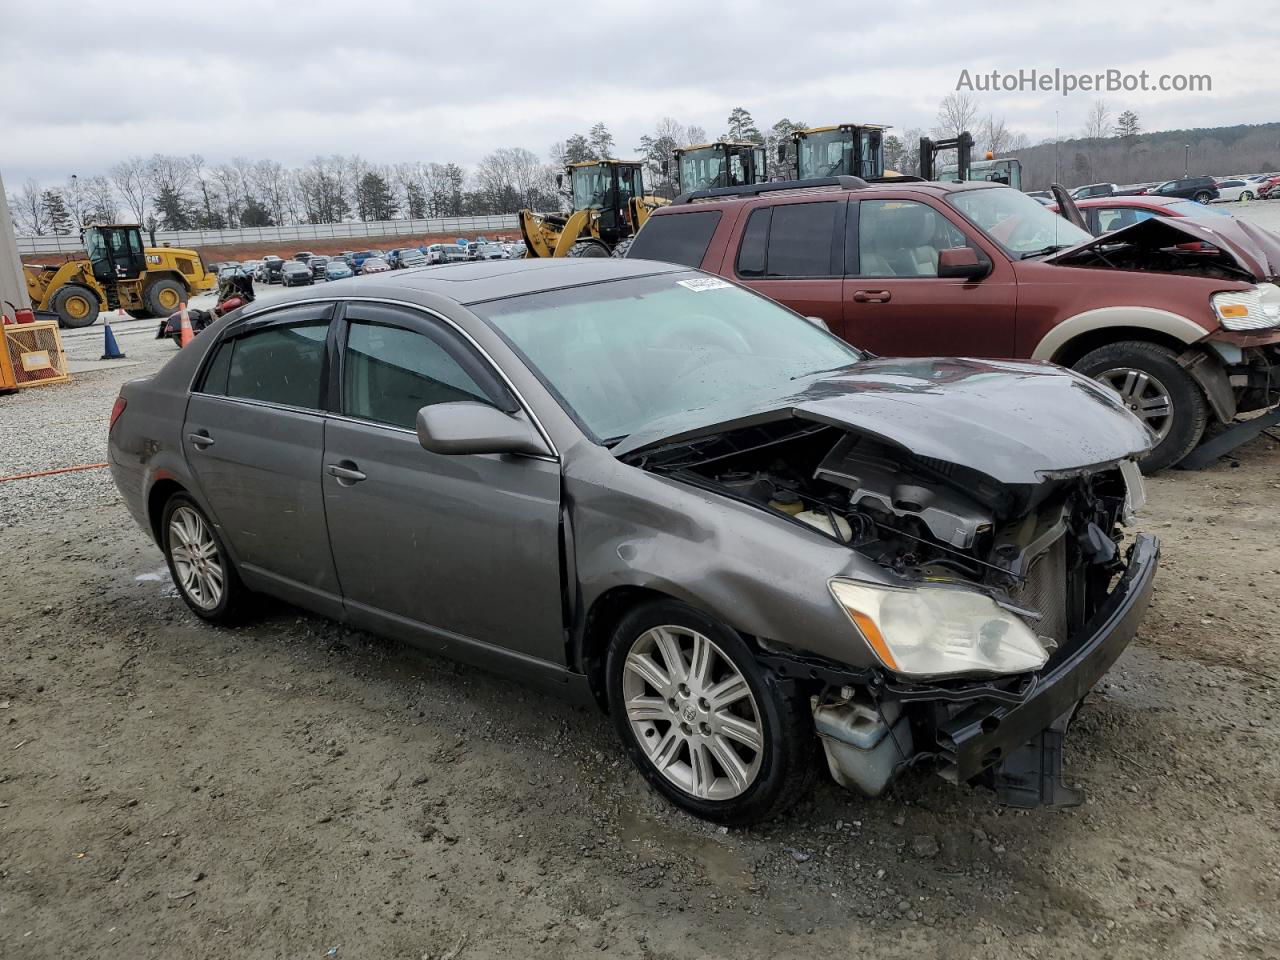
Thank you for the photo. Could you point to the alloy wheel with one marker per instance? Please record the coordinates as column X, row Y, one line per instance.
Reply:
column 196, row 558
column 1144, row 395
column 693, row 713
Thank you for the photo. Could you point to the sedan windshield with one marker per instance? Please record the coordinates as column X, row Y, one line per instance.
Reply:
column 1014, row 220
column 624, row 355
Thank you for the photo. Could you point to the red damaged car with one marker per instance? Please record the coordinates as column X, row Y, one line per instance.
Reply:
column 1188, row 335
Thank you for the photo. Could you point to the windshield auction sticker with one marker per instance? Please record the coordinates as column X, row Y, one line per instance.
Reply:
column 702, row 284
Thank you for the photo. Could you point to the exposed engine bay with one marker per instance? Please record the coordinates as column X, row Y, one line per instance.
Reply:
column 1047, row 552
column 924, row 520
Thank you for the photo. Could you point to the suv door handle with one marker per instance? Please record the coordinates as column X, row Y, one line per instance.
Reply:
column 345, row 472
column 200, row 440
column 872, row 296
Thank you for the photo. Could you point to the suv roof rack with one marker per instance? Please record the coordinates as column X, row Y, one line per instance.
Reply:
column 753, row 189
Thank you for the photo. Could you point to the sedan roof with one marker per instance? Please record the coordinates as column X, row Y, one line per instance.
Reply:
column 496, row 279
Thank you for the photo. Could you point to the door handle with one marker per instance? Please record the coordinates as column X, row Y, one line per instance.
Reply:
column 345, row 472
column 872, row 296
column 200, row 440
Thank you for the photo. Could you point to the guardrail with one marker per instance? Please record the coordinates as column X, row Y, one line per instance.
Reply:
column 300, row 232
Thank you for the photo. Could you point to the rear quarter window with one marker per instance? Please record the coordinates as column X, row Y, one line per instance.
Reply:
column 680, row 238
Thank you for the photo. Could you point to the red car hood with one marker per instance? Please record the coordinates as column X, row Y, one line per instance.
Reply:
column 1239, row 246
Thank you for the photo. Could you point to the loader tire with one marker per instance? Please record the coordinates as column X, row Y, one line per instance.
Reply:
column 621, row 249
column 140, row 313
column 163, row 297
column 75, row 305
column 587, row 248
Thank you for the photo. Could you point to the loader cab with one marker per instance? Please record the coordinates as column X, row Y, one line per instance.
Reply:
column 608, row 187
column 847, row 149
column 115, row 252
column 1007, row 171
column 726, row 163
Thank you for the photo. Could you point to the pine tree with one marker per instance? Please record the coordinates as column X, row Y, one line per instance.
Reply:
column 374, row 199
column 56, row 213
column 1127, row 125
column 743, row 127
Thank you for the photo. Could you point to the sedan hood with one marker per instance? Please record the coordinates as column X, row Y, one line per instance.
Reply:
column 1241, row 247
column 1015, row 422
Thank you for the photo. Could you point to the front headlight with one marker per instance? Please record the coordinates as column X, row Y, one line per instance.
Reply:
column 936, row 631
column 1254, row 309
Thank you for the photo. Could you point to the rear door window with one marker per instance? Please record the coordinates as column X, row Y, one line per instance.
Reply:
column 793, row 240
column 680, row 238
column 281, row 362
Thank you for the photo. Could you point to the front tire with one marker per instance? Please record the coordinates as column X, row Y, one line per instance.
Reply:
column 1158, row 391
column 620, row 250
column 198, row 563
column 76, row 306
column 704, row 722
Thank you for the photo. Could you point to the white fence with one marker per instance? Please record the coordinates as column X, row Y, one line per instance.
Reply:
column 301, row 233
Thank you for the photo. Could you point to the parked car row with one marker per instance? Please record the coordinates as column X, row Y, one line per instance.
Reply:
column 1200, row 189
column 273, row 269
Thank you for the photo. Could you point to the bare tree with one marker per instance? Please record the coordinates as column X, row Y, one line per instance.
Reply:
column 100, row 203
column 1097, row 124
column 271, row 183
column 28, row 210
column 130, row 180
column 993, row 135
column 957, row 112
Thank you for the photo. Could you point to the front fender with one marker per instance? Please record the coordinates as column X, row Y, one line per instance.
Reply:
column 1132, row 317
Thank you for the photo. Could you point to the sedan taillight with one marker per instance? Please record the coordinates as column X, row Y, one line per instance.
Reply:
column 117, row 408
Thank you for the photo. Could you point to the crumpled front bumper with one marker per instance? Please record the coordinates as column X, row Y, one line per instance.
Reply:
column 1000, row 740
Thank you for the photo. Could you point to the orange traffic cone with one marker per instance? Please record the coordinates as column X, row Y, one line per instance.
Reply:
column 185, row 333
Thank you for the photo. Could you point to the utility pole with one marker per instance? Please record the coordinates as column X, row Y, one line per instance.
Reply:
column 1186, row 162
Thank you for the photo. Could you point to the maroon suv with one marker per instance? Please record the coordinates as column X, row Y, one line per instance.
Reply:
column 1182, row 319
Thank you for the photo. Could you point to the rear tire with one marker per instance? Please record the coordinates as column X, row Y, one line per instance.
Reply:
column 1189, row 409
column 766, row 781
column 164, row 296
column 75, row 305
column 587, row 248
column 199, row 564
column 1202, row 197
column 620, row 251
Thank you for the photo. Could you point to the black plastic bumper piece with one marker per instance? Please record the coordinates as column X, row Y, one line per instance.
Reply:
column 1031, row 776
column 1021, row 745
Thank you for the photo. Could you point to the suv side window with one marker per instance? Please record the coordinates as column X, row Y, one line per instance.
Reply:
column 283, row 364
column 790, row 240
column 901, row 238
column 394, row 365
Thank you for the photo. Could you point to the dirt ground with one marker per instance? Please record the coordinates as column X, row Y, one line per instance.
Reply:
column 294, row 789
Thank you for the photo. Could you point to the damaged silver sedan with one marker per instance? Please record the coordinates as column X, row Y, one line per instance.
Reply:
column 747, row 541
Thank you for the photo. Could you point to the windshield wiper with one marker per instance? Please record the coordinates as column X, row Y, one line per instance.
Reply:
column 1051, row 248
column 814, row 373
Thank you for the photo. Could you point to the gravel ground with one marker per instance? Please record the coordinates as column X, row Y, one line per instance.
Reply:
column 293, row 788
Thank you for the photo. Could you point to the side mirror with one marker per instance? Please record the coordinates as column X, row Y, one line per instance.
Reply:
column 466, row 427
column 819, row 323
column 782, row 153
column 962, row 263
column 559, row 181
column 666, row 167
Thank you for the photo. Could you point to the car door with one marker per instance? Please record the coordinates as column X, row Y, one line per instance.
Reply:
column 254, row 438
column 895, row 304
column 464, row 550
column 792, row 253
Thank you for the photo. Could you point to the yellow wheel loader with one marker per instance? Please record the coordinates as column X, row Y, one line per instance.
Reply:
column 609, row 206
column 118, row 272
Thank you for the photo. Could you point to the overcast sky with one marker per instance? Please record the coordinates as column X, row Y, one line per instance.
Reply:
column 82, row 84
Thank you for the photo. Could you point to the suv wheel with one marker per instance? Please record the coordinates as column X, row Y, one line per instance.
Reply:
column 708, row 727
column 1158, row 391
column 1204, row 196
